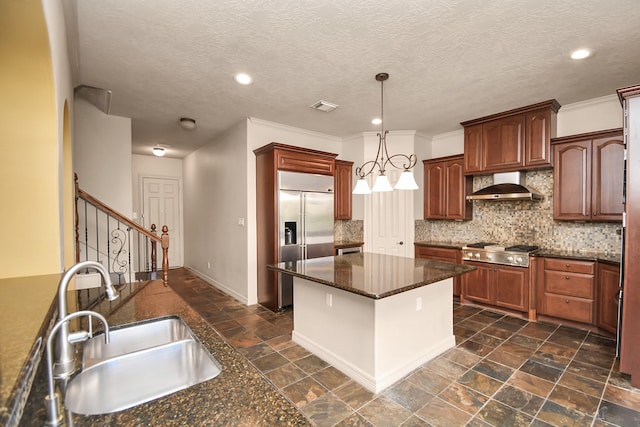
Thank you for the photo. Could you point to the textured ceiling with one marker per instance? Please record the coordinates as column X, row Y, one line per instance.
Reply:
column 449, row 61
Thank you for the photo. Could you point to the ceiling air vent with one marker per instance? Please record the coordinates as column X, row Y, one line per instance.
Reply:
column 324, row 106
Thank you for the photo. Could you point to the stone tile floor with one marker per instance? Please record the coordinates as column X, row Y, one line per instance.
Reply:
column 504, row 371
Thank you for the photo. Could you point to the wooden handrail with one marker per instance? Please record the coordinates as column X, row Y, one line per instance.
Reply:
column 89, row 198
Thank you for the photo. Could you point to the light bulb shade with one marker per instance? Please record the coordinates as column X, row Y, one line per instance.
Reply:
column 406, row 182
column 382, row 184
column 158, row 151
column 362, row 187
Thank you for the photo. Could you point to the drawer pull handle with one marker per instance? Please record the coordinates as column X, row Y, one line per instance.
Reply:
column 566, row 301
column 568, row 265
column 567, row 277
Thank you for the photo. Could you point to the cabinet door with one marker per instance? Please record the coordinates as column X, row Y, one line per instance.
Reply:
column 608, row 293
column 475, row 284
column 503, row 143
column 342, row 195
column 473, row 149
column 537, row 138
column 572, row 181
column 444, row 255
column 434, row 196
column 608, row 175
column 456, row 184
column 511, row 287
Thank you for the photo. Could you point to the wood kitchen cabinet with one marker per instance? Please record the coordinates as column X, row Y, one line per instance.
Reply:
column 445, row 189
column 566, row 289
column 514, row 140
column 608, row 283
column 629, row 342
column 436, row 253
column 342, row 195
column 270, row 159
column 588, row 176
column 497, row 285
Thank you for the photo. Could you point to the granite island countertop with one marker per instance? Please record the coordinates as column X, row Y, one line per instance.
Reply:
column 240, row 395
column 370, row 274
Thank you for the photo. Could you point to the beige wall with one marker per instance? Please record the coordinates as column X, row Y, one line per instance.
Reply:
column 29, row 134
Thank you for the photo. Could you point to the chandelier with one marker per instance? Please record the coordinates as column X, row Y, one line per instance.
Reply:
column 382, row 160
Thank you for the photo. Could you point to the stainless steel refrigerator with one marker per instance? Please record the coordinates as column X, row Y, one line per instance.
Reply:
column 305, row 223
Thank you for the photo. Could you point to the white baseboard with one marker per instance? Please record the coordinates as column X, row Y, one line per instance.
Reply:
column 241, row 298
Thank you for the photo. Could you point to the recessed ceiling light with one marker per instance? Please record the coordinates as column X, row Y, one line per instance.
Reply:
column 243, row 79
column 581, row 53
column 376, row 121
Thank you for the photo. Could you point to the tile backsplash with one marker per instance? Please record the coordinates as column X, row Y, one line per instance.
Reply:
column 523, row 222
column 348, row 230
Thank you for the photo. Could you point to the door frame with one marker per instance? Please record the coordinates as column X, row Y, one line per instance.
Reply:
column 141, row 196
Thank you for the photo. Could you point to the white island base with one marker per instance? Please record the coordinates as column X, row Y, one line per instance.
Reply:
column 376, row 342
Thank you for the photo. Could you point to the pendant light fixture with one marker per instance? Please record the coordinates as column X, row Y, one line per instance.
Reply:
column 382, row 160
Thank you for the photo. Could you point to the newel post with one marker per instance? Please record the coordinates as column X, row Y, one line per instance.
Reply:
column 164, row 241
column 153, row 250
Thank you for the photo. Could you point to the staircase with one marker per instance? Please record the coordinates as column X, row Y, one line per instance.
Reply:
column 128, row 251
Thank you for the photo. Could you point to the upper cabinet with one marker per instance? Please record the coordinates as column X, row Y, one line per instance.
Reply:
column 510, row 141
column 588, row 176
column 342, row 196
column 445, row 189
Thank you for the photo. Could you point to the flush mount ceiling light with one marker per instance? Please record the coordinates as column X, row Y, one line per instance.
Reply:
column 406, row 180
column 581, row 53
column 187, row 123
column 243, row 79
column 158, row 151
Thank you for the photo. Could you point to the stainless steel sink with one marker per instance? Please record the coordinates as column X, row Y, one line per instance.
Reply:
column 135, row 337
column 148, row 360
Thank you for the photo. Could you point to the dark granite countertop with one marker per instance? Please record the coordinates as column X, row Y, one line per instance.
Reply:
column 610, row 258
column 372, row 275
column 447, row 245
column 238, row 396
column 341, row 244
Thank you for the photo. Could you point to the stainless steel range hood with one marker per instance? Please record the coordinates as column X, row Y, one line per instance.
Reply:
column 506, row 186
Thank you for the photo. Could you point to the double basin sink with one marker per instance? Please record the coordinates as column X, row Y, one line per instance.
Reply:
column 142, row 362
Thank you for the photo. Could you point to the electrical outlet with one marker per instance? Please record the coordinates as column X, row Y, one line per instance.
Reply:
column 241, row 221
column 418, row 303
column 208, row 266
column 329, row 298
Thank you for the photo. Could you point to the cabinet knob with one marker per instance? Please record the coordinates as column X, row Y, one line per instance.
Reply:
column 566, row 301
column 566, row 277
column 568, row 265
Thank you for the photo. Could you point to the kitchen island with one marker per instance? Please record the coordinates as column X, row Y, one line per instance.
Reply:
column 375, row 317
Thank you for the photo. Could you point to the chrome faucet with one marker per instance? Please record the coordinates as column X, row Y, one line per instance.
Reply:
column 52, row 400
column 64, row 365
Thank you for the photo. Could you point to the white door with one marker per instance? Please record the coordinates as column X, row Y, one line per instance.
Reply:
column 390, row 226
column 161, row 206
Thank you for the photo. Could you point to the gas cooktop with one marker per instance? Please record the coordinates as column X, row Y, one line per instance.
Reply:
column 516, row 255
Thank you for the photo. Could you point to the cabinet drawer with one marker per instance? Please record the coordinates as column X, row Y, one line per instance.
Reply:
column 571, row 284
column 431, row 252
column 585, row 267
column 569, row 308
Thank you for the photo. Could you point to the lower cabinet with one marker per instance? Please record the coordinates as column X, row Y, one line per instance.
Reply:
column 450, row 255
column 567, row 289
column 608, row 296
column 497, row 285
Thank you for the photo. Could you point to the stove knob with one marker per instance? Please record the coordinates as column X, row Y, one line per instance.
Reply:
column 477, row 255
column 519, row 260
column 470, row 254
column 510, row 258
column 489, row 256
